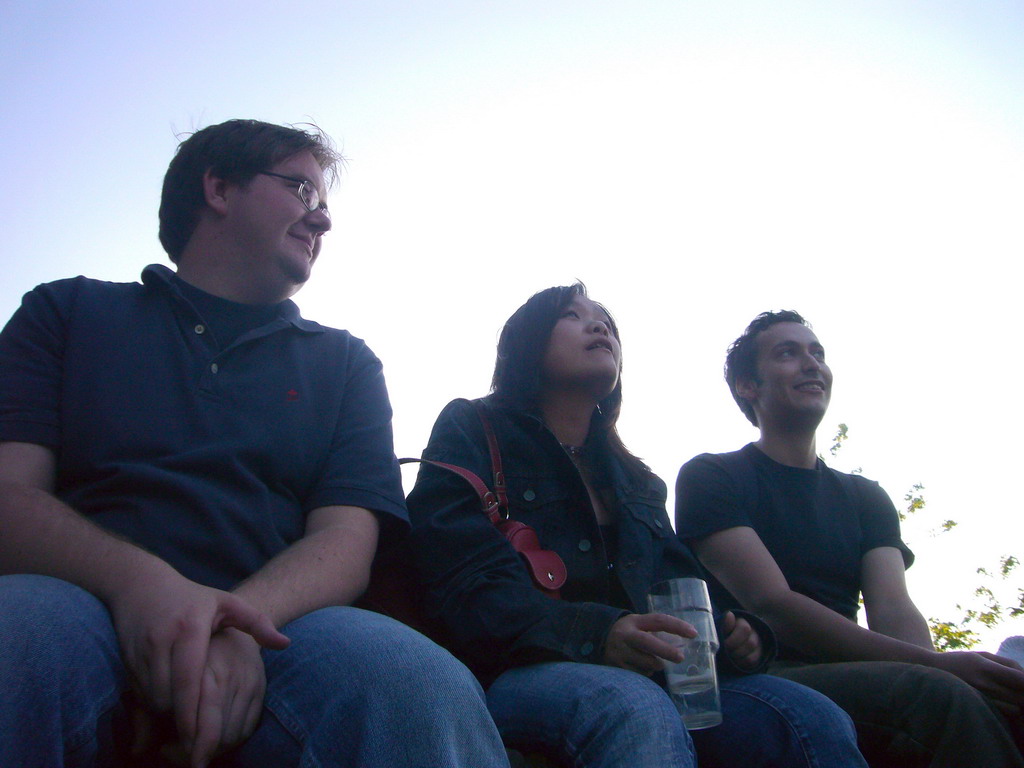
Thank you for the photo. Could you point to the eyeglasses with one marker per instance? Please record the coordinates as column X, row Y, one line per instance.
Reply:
column 307, row 193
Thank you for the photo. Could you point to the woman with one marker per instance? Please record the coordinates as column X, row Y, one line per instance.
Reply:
column 571, row 677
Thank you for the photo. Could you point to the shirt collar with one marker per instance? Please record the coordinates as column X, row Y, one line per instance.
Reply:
column 162, row 278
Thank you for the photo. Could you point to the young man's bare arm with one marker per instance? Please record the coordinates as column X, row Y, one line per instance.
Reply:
column 738, row 558
column 887, row 604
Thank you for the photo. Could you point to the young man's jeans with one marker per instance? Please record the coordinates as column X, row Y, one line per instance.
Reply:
column 599, row 717
column 911, row 716
column 353, row 689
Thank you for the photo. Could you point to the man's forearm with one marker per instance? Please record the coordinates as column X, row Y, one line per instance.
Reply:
column 907, row 625
column 887, row 603
column 43, row 535
column 329, row 566
column 811, row 628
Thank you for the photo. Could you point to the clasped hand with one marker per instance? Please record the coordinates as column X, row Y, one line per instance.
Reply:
column 194, row 651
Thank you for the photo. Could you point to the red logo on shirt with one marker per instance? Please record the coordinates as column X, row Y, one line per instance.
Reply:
column 291, row 396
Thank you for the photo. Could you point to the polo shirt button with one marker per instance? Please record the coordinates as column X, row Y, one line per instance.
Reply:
column 586, row 649
column 584, row 545
column 529, row 495
column 214, row 368
column 200, row 329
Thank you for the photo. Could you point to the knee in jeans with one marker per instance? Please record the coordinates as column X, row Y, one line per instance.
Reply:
column 427, row 663
column 628, row 697
column 388, row 657
column 61, row 661
column 51, row 617
column 834, row 720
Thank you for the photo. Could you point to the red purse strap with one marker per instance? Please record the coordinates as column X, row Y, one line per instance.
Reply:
column 494, row 504
column 488, row 501
column 499, row 476
column 546, row 568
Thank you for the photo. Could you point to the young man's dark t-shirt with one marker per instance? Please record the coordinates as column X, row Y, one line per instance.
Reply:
column 816, row 523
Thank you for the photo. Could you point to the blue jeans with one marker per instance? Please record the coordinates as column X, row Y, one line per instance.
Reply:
column 600, row 717
column 353, row 689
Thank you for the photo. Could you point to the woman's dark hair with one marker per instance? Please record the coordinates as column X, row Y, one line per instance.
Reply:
column 519, row 366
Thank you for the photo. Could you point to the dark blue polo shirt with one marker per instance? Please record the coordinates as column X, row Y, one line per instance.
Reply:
column 210, row 458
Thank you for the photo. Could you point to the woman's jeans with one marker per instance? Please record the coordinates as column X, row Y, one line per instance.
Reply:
column 599, row 717
column 353, row 689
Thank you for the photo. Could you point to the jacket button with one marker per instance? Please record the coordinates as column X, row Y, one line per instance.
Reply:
column 586, row 649
column 584, row 545
column 214, row 367
column 529, row 495
column 200, row 329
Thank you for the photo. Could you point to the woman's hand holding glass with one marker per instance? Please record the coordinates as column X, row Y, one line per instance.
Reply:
column 633, row 643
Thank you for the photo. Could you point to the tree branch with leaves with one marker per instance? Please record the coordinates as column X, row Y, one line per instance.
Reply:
column 987, row 610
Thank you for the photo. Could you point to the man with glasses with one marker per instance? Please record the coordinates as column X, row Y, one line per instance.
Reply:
column 785, row 536
column 193, row 483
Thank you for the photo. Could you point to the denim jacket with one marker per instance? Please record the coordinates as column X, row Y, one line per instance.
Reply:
column 476, row 584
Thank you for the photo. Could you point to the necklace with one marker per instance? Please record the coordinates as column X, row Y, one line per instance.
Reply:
column 575, row 451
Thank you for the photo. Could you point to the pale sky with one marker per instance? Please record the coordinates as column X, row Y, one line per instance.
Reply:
column 693, row 162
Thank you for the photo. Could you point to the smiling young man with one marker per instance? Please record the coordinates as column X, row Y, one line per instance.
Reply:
column 190, row 470
column 798, row 543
